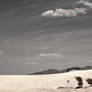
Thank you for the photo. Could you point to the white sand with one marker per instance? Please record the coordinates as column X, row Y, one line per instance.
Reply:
column 45, row 83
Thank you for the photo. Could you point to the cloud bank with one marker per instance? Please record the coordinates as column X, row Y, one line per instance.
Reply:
column 68, row 12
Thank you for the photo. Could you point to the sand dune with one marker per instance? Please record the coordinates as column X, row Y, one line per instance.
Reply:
column 62, row 82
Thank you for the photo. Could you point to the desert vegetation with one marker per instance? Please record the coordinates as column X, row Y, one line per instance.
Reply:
column 89, row 80
column 80, row 82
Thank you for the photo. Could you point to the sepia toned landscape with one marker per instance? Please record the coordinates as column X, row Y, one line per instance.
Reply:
column 45, row 45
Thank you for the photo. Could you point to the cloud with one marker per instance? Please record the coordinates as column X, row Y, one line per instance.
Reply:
column 85, row 3
column 59, row 12
column 48, row 13
column 50, row 55
column 80, row 10
column 64, row 12
column 69, row 12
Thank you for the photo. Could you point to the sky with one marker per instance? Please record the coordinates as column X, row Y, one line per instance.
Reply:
column 36, row 35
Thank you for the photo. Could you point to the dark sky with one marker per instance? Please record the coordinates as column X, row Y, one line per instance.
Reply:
column 30, row 42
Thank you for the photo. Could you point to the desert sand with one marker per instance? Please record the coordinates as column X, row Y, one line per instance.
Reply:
column 62, row 82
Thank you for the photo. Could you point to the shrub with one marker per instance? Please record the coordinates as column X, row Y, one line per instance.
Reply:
column 89, row 81
column 80, row 82
column 68, row 81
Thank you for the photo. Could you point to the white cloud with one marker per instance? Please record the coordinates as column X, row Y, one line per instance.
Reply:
column 69, row 12
column 85, row 3
column 59, row 13
column 80, row 10
column 81, row 2
column 64, row 12
column 50, row 55
column 88, row 4
column 48, row 13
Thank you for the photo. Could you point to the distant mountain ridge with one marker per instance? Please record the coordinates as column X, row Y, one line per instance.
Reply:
column 55, row 71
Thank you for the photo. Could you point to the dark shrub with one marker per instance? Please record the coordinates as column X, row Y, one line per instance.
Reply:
column 68, row 81
column 89, row 81
column 80, row 83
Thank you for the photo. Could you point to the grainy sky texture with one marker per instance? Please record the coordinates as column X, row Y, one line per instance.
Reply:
column 32, row 41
